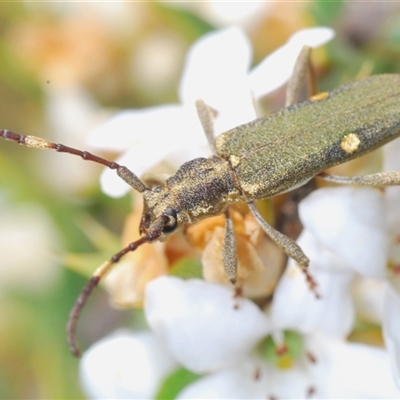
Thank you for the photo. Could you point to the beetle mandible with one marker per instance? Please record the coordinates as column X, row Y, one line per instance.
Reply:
column 257, row 160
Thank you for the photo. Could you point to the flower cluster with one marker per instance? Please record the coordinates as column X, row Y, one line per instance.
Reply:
column 221, row 344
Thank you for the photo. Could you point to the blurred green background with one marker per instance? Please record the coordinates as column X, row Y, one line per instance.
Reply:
column 65, row 68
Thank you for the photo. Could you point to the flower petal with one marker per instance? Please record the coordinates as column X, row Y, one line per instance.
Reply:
column 130, row 127
column 152, row 143
column 256, row 379
column 125, row 365
column 276, row 69
column 239, row 382
column 391, row 329
column 216, row 72
column 350, row 223
column 392, row 194
column 369, row 297
column 359, row 371
column 199, row 323
column 295, row 306
column 27, row 236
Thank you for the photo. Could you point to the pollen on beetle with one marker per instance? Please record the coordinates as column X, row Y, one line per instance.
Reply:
column 319, row 96
column 235, row 161
column 350, row 143
column 33, row 141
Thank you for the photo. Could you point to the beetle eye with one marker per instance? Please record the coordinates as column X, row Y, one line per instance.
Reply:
column 172, row 222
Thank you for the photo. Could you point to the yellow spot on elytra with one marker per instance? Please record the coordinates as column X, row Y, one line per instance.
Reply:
column 350, row 143
column 319, row 96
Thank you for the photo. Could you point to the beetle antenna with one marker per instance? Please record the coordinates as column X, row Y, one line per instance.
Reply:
column 32, row 141
column 88, row 289
column 153, row 233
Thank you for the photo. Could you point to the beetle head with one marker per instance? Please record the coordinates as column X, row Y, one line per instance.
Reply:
column 162, row 214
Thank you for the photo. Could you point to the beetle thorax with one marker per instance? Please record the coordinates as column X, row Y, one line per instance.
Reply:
column 201, row 188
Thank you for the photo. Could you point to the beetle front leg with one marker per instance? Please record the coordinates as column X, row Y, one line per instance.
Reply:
column 206, row 116
column 303, row 74
column 380, row 179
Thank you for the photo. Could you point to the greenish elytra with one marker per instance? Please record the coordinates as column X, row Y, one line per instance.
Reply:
column 255, row 161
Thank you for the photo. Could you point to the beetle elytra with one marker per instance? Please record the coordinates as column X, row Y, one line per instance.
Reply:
column 254, row 161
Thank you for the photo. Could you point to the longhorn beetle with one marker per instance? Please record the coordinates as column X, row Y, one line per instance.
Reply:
column 257, row 160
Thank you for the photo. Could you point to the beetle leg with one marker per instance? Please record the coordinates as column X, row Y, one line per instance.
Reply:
column 288, row 245
column 206, row 115
column 302, row 72
column 390, row 178
column 229, row 255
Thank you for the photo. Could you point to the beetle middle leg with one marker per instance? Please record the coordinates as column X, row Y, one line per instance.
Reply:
column 302, row 83
column 229, row 249
column 206, row 116
column 303, row 76
column 302, row 73
column 289, row 246
column 302, row 80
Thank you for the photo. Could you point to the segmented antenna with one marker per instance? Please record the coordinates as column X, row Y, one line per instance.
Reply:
column 152, row 234
column 38, row 143
column 131, row 179
column 87, row 290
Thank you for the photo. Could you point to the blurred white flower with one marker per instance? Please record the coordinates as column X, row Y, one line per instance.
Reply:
column 70, row 114
column 125, row 364
column 28, row 246
column 227, row 13
column 391, row 326
column 391, row 312
column 359, row 371
column 216, row 71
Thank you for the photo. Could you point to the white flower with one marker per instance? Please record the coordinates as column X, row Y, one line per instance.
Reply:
column 227, row 13
column 70, row 113
column 345, row 234
column 216, row 71
column 359, row 371
column 209, row 331
column 390, row 321
column 200, row 327
column 350, row 223
column 28, row 245
column 341, row 370
column 125, row 364
column 200, row 324
column 391, row 326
